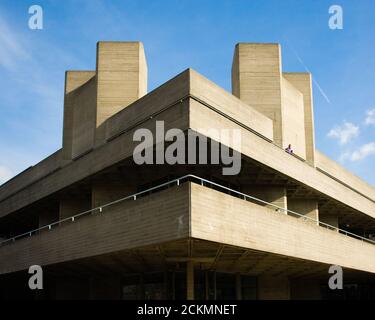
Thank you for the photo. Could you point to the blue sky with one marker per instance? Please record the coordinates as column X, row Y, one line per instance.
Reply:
column 180, row 34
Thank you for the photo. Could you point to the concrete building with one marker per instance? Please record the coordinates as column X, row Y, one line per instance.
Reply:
column 103, row 227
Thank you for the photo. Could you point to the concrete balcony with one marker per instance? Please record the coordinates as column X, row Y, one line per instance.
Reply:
column 188, row 101
column 226, row 219
column 187, row 211
column 155, row 218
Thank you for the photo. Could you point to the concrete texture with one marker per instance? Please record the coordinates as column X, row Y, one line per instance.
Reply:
column 271, row 109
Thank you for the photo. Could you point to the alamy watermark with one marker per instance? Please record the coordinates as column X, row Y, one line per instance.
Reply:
column 336, row 280
column 36, row 280
column 192, row 148
column 336, row 20
column 36, row 18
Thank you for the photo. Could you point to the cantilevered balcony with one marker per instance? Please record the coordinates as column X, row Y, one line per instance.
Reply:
column 187, row 208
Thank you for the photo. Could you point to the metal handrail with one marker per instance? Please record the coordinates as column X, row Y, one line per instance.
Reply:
column 177, row 182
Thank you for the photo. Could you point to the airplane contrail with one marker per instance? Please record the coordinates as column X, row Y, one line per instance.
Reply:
column 313, row 78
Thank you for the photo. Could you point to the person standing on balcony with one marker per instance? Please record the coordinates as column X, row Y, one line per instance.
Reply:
column 289, row 149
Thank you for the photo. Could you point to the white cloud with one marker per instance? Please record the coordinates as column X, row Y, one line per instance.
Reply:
column 359, row 154
column 370, row 117
column 344, row 133
column 5, row 174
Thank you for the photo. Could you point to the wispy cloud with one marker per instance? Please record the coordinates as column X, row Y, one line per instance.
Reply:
column 344, row 133
column 23, row 64
column 361, row 153
column 32, row 73
column 11, row 48
column 5, row 174
column 370, row 117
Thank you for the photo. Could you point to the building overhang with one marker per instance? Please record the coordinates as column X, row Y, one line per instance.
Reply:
column 186, row 211
column 187, row 101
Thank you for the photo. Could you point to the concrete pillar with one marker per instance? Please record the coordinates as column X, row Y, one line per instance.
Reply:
column 272, row 194
column 166, row 282
column 190, row 280
column 121, row 75
column 238, row 287
column 273, row 288
column 303, row 82
column 256, row 80
column 70, row 206
column 306, row 207
column 206, row 285
column 47, row 216
column 91, row 97
column 173, row 285
column 215, row 285
column 292, row 119
column 141, row 293
column 104, row 192
column 79, row 113
column 330, row 219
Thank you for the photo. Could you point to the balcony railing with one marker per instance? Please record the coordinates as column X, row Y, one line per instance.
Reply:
column 178, row 181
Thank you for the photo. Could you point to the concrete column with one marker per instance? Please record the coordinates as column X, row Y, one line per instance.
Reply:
column 207, row 285
column 215, row 286
column 190, row 280
column 292, row 119
column 91, row 97
column 302, row 81
column 141, row 292
column 79, row 113
column 173, row 285
column 48, row 216
column 330, row 219
column 166, row 284
column 238, row 287
column 70, row 206
column 272, row 194
column 121, row 75
column 106, row 191
column 306, row 207
column 273, row 288
column 256, row 80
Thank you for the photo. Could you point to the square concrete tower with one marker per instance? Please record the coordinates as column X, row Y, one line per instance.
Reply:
column 121, row 73
column 303, row 82
column 257, row 79
column 91, row 97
